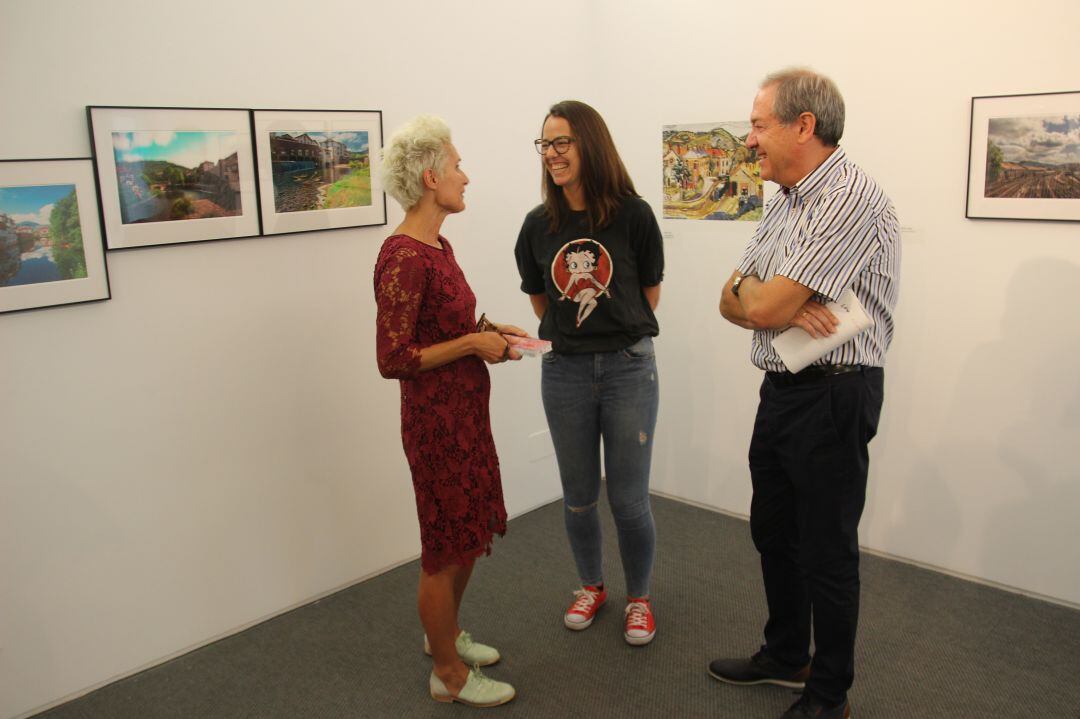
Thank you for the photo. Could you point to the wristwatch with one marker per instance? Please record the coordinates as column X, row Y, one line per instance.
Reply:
column 735, row 284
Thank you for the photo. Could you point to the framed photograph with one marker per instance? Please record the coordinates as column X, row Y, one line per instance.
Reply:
column 173, row 175
column 50, row 235
column 1024, row 162
column 318, row 169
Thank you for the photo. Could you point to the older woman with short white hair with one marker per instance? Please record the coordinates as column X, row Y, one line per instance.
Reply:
column 427, row 337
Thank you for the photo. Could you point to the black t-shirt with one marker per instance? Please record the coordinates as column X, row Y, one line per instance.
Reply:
column 593, row 280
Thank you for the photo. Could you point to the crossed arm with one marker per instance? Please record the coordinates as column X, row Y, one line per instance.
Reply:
column 776, row 304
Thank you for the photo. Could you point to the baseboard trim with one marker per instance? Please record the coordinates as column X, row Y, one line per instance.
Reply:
column 371, row 575
column 243, row 627
column 895, row 557
column 217, row 638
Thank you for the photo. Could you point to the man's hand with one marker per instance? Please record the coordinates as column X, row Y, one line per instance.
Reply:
column 816, row 319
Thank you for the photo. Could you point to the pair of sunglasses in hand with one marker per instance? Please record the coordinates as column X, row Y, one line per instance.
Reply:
column 485, row 325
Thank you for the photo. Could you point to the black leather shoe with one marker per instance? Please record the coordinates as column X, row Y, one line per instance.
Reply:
column 759, row 669
column 808, row 707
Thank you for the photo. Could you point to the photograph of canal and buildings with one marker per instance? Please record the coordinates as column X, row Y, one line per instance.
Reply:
column 167, row 176
column 320, row 170
column 710, row 173
column 40, row 235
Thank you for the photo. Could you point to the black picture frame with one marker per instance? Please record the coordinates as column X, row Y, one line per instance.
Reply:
column 318, row 169
column 173, row 175
column 52, row 251
column 1024, row 157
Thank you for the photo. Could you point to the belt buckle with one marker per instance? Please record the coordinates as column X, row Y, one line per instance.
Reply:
column 833, row 370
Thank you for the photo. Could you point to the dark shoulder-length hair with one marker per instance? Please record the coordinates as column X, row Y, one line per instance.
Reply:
column 603, row 176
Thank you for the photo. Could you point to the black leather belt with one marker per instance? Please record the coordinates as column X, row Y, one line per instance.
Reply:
column 812, row 373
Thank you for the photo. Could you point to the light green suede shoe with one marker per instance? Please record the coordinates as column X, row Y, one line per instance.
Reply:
column 472, row 653
column 479, row 691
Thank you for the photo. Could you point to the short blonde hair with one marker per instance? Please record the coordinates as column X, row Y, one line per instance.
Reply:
column 418, row 145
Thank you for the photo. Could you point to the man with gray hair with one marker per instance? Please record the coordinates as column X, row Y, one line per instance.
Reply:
column 830, row 229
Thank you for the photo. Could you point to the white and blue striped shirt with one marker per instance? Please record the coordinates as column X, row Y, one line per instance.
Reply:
column 832, row 230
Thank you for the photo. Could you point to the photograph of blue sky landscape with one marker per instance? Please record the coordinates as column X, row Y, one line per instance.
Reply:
column 32, row 203
column 186, row 149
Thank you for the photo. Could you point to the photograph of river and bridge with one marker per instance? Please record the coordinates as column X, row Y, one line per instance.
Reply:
column 710, row 173
column 40, row 235
column 320, row 170
column 1033, row 157
column 166, row 176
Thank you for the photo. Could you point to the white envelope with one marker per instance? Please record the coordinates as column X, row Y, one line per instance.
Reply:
column 798, row 349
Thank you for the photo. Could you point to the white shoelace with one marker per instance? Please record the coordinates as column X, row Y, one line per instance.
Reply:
column 585, row 600
column 637, row 616
column 480, row 677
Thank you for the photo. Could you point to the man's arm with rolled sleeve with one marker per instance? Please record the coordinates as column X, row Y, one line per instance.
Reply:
column 772, row 304
column 775, row 304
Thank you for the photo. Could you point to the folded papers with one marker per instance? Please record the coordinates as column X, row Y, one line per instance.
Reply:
column 799, row 350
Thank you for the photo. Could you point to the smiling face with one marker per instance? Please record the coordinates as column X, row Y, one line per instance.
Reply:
column 776, row 143
column 564, row 169
column 451, row 181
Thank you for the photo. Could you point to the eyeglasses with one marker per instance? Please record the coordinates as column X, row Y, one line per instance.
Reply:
column 561, row 144
column 486, row 325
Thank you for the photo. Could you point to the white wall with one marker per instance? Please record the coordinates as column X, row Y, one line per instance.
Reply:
column 974, row 469
column 214, row 445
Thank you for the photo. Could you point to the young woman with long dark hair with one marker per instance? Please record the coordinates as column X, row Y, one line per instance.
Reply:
column 591, row 259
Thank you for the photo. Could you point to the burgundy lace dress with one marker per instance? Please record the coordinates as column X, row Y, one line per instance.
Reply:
column 422, row 299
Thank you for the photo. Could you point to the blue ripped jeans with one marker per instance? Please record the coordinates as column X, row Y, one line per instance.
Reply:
column 614, row 396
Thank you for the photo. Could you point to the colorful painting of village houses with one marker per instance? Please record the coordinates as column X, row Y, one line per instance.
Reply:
column 40, row 236
column 320, row 170
column 710, row 173
column 166, row 176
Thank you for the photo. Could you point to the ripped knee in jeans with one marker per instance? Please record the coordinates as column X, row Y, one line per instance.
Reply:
column 579, row 510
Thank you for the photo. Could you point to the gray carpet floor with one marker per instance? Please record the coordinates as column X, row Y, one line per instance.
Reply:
column 929, row 645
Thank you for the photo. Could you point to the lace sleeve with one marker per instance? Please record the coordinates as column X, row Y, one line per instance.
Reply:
column 400, row 282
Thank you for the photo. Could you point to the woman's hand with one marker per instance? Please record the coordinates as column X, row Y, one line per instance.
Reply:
column 513, row 354
column 511, row 330
column 492, row 348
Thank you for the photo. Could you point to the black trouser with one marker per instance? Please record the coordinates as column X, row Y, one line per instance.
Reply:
column 808, row 464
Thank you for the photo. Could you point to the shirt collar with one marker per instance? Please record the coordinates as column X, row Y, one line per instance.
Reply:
column 812, row 183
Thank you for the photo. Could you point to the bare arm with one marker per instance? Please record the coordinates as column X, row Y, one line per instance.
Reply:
column 539, row 304
column 730, row 307
column 488, row 346
column 652, row 296
column 775, row 304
